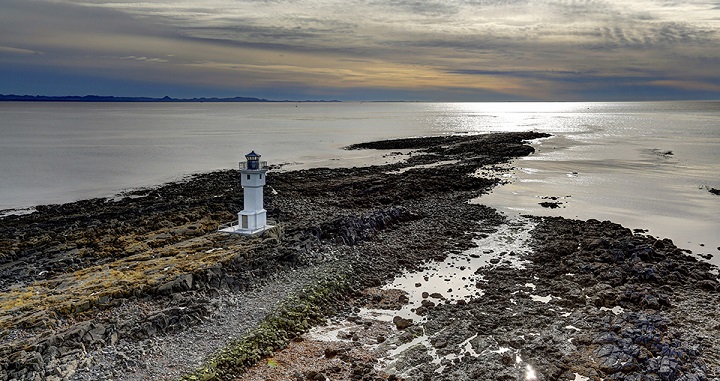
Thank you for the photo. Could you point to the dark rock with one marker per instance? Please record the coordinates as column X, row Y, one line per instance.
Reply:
column 182, row 283
column 402, row 323
column 95, row 335
column 421, row 311
column 427, row 304
column 708, row 285
column 550, row 204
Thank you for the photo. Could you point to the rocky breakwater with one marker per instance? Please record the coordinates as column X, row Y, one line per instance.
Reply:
column 105, row 275
column 592, row 301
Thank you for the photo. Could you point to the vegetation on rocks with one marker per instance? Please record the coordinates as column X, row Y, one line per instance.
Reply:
column 294, row 317
column 101, row 285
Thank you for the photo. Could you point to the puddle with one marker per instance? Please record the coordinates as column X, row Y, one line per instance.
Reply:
column 454, row 278
column 391, row 361
column 617, row 310
column 16, row 212
column 541, row 299
column 530, row 373
column 501, row 350
column 333, row 332
column 466, row 349
column 449, row 281
column 420, row 340
column 423, row 166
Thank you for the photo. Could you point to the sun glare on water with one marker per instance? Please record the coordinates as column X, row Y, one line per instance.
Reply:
column 530, row 374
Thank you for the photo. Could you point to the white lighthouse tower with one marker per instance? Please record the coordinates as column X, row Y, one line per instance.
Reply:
column 253, row 218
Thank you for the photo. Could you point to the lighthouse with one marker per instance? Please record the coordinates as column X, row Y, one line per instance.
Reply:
column 253, row 218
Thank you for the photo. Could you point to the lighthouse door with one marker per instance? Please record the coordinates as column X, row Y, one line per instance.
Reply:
column 244, row 221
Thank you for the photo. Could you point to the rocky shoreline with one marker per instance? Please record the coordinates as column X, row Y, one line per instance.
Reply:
column 143, row 287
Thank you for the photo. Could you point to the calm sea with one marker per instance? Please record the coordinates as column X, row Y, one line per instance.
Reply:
column 645, row 165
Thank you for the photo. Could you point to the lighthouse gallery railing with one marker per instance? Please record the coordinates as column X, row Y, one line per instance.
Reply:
column 243, row 165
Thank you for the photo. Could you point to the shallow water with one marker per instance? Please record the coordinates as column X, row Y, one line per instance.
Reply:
column 445, row 281
column 610, row 158
column 54, row 153
column 454, row 278
column 640, row 185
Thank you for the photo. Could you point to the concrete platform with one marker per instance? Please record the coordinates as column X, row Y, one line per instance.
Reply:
column 235, row 229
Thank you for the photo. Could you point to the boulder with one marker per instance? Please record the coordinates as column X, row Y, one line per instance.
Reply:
column 402, row 323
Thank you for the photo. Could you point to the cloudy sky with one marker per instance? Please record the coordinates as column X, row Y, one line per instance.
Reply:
column 462, row 50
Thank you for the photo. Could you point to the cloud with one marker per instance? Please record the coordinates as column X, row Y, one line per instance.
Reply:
column 499, row 46
column 144, row 59
column 687, row 85
column 12, row 50
column 563, row 75
column 368, row 26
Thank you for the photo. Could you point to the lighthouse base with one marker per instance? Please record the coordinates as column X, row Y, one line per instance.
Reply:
column 249, row 223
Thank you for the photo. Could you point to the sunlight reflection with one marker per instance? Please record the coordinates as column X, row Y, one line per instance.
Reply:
column 530, row 374
column 486, row 117
column 520, row 107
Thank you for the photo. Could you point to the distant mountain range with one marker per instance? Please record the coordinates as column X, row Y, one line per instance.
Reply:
column 100, row 98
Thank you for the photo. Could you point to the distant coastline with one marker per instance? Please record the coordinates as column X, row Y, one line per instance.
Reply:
column 102, row 98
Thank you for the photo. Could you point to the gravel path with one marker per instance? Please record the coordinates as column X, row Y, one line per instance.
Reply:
column 170, row 356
